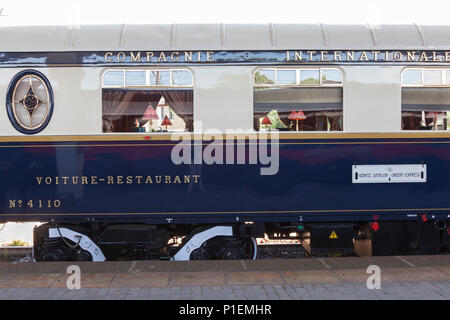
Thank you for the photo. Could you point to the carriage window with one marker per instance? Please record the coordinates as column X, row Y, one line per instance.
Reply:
column 309, row 77
column 447, row 77
column 412, row 77
column 114, row 78
column 181, row 78
column 265, row 76
column 147, row 101
column 286, row 77
column 432, row 77
column 135, row 78
column 425, row 99
column 298, row 99
column 159, row 78
column 331, row 76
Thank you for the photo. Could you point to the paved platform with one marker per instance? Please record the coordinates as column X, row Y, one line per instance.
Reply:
column 411, row 277
column 430, row 290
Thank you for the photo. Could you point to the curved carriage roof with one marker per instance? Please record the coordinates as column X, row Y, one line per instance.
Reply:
column 223, row 37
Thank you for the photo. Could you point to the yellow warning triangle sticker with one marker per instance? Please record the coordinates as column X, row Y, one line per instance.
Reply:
column 333, row 235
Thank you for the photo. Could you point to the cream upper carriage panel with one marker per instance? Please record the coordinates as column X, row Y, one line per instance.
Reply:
column 371, row 92
column 77, row 100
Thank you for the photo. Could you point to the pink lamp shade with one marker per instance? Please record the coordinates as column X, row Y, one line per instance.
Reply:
column 292, row 115
column 300, row 115
column 296, row 116
column 150, row 114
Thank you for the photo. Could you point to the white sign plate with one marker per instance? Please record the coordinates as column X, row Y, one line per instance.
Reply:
column 389, row 173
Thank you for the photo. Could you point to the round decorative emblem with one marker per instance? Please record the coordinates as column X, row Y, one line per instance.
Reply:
column 29, row 101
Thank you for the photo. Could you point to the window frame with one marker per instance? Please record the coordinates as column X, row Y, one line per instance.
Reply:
column 422, row 85
column 298, row 84
column 147, row 86
column 298, row 70
column 443, row 84
column 147, row 78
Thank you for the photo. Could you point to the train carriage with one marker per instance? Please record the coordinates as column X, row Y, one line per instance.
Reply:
column 189, row 141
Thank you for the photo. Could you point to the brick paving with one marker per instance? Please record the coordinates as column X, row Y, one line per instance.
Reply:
column 304, row 279
column 389, row 291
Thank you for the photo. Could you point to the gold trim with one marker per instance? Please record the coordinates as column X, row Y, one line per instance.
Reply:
column 195, row 136
column 205, row 144
column 237, row 212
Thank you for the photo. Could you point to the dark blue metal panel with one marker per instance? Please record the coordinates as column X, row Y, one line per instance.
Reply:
column 217, row 57
column 313, row 183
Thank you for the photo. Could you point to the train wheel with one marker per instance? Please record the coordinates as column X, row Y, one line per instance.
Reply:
column 226, row 248
column 52, row 255
column 83, row 255
column 216, row 243
column 243, row 248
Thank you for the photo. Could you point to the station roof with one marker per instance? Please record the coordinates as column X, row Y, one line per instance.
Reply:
column 223, row 37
